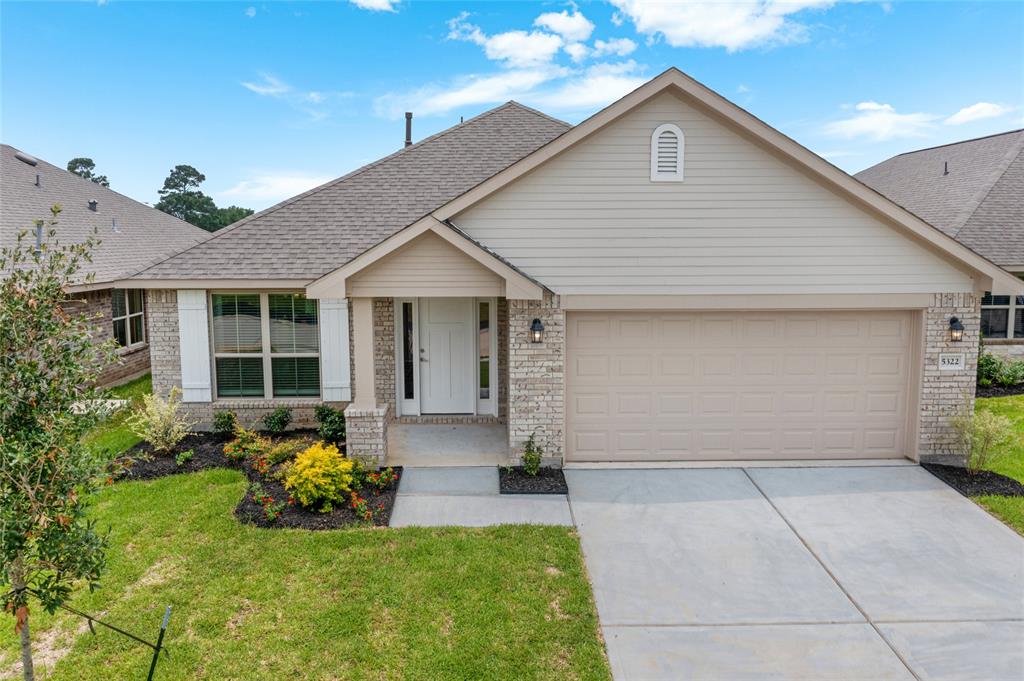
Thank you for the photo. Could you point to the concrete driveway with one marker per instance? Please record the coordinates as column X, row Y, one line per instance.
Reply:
column 799, row 573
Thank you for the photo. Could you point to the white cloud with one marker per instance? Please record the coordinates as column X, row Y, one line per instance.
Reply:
column 577, row 51
column 620, row 47
column 269, row 86
column 706, row 23
column 881, row 122
column 573, row 27
column 465, row 92
column 266, row 188
column 515, row 49
column 376, row 5
column 250, row 12
column 596, row 87
column 977, row 112
column 742, row 89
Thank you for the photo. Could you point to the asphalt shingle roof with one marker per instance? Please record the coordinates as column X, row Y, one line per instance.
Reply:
column 316, row 232
column 979, row 202
column 143, row 235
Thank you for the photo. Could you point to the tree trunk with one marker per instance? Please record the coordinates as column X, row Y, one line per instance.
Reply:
column 18, row 582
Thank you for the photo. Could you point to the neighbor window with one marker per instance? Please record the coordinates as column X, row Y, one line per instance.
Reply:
column 1002, row 316
column 265, row 345
column 129, row 319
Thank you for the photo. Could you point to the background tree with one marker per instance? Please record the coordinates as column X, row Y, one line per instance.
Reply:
column 182, row 198
column 232, row 214
column 49, row 363
column 86, row 167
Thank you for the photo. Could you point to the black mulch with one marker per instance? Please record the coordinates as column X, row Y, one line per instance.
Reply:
column 1000, row 390
column 514, row 480
column 979, row 484
column 140, row 463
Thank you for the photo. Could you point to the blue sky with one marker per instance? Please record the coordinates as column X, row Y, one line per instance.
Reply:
column 269, row 99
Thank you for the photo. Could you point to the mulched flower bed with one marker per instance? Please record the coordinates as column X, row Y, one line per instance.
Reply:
column 980, row 484
column 208, row 452
column 514, row 480
column 1000, row 390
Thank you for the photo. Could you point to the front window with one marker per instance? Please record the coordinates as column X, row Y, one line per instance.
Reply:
column 129, row 318
column 1002, row 316
column 265, row 345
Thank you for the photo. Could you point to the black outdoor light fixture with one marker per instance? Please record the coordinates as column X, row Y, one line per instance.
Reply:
column 536, row 331
column 956, row 329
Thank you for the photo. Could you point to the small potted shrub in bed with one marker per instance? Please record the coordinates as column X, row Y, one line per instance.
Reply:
column 531, row 477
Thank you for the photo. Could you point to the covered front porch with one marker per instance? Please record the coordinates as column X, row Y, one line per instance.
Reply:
column 417, row 444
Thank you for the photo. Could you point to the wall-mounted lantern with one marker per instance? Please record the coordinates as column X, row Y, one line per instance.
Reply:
column 536, row 331
column 956, row 329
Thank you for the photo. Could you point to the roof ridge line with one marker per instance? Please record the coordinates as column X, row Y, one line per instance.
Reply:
column 990, row 183
column 951, row 144
column 539, row 113
column 330, row 183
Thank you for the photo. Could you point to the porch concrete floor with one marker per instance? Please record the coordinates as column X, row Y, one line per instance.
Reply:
column 431, row 444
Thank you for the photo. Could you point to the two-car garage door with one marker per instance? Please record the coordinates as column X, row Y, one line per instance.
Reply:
column 657, row 386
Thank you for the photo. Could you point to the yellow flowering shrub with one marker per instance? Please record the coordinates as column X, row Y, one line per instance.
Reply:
column 319, row 477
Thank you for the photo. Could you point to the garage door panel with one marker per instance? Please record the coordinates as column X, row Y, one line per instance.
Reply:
column 709, row 385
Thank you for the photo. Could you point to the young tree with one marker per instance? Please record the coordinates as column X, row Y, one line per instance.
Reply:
column 86, row 167
column 49, row 363
column 182, row 198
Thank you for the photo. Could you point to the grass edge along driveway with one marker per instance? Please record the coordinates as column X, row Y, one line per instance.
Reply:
column 1008, row 509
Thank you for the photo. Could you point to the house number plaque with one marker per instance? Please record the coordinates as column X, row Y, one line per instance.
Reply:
column 951, row 361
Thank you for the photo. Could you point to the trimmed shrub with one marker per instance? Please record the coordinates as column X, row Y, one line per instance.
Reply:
column 320, row 477
column 993, row 370
column 160, row 423
column 982, row 436
column 532, row 455
column 286, row 450
column 247, row 445
column 277, row 421
column 332, row 424
column 224, row 422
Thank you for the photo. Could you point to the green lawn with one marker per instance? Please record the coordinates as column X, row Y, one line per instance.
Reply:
column 1009, row 509
column 114, row 434
column 460, row 603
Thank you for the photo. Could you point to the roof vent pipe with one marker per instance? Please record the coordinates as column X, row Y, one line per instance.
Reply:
column 408, row 128
column 93, row 205
column 37, row 179
column 945, row 167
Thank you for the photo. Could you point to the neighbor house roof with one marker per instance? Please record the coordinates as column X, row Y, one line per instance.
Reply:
column 132, row 235
column 971, row 190
column 312, row 234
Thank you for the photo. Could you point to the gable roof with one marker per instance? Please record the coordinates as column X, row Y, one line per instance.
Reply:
column 132, row 235
column 760, row 133
column 305, row 237
column 971, row 190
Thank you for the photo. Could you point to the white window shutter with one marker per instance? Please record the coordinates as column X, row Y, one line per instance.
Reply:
column 335, row 368
column 194, row 344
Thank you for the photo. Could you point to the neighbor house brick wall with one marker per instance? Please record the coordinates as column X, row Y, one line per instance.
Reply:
column 944, row 393
column 384, row 351
column 536, row 376
column 96, row 308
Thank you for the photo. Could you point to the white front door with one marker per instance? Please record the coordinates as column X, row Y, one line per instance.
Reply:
column 446, row 356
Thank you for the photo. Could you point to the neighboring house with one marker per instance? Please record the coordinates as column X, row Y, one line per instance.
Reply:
column 131, row 236
column 670, row 279
column 974, row 192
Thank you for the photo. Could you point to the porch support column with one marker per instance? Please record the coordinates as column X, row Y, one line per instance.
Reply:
column 362, row 339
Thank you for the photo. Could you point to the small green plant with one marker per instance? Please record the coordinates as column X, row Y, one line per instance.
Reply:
column 277, row 421
column 319, row 477
column 993, row 370
column 182, row 458
column 271, row 509
column 332, row 424
column 982, row 437
column 287, row 450
column 224, row 422
column 382, row 479
column 247, row 444
column 533, row 454
column 363, row 509
column 160, row 423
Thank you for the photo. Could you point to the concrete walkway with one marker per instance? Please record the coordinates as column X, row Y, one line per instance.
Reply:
column 468, row 496
column 799, row 573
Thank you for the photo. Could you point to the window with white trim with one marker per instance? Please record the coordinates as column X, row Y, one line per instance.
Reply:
column 265, row 345
column 128, row 312
column 1002, row 316
column 667, row 144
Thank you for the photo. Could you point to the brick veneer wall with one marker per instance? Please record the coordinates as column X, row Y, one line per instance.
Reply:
column 96, row 307
column 943, row 393
column 1008, row 350
column 366, row 432
column 384, row 351
column 536, row 376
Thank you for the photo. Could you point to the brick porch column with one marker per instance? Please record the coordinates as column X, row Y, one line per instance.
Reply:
column 365, row 419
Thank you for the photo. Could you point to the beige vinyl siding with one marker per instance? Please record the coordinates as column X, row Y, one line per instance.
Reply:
column 426, row 266
column 743, row 221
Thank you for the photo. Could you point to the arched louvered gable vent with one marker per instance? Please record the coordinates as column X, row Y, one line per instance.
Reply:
column 667, row 154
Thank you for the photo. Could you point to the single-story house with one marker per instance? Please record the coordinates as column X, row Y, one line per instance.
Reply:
column 974, row 192
column 671, row 279
column 131, row 236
